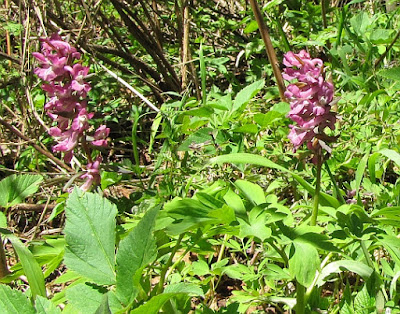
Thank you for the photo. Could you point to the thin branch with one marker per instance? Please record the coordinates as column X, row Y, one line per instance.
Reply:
column 270, row 49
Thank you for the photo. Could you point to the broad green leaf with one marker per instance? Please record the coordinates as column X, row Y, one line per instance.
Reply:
column 14, row 302
column 184, row 287
column 29, row 264
column 104, row 307
column 392, row 73
column 200, row 268
column 15, row 188
column 251, row 27
column 188, row 214
column 381, row 36
column 209, row 200
column 392, row 245
column 224, row 215
column 245, row 158
column 135, row 252
column 391, row 154
column 154, row 305
column 363, row 302
column 90, row 236
column 45, row 306
column 265, row 119
column 337, row 267
column 304, row 263
column 255, row 228
column 252, row 191
column 84, row 298
column 247, row 128
column 360, row 23
column 234, row 201
column 246, row 94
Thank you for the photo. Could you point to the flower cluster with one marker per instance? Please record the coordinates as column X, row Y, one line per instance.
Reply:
column 310, row 97
column 67, row 89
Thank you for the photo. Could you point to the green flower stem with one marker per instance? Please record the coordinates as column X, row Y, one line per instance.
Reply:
column 317, row 190
column 166, row 270
column 300, row 301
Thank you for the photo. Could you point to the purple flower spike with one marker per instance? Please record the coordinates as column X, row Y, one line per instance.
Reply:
column 65, row 84
column 310, row 97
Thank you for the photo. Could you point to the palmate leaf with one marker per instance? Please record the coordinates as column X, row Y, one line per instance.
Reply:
column 90, row 236
column 135, row 252
column 15, row 188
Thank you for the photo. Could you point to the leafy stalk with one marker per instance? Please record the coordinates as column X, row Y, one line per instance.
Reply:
column 300, row 301
column 317, row 190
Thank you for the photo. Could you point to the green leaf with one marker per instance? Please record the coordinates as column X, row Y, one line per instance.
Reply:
column 45, row 306
column 200, row 268
column 360, row 23
column 29, row 264
column 154, row 305
column 15, row 188
column 154, row 129
column 3, row 220
column 251, row 27
column 246, row 94
column 90, row 236
column 265, row 119
column 392, row 245
column 371, row 166
column 135, row 252
column 360, row 172
column 392, row 73
column 391, row 154
column 253, row 192
column 188, row 214
column 246, row 128
column 339, row 266
column 244, row 158
column 381, row 36
column 184, row 287
column 304, row 263
column 234, row 201
column 200, row 138
column 14, row 301
column 84, row 298
column 256, row 226
column 363, row 302
column 104, row 307
column 109, row 178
